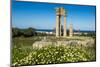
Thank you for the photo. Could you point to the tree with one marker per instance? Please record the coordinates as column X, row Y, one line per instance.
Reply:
column 23, row 32
column 29, row 32
column 16, row 32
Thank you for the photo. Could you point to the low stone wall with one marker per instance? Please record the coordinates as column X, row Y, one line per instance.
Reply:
column 43, row 43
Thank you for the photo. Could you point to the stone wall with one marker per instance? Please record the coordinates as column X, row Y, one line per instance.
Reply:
column 44, row 43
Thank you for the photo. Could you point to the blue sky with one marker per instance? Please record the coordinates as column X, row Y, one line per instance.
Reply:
column 43, row 15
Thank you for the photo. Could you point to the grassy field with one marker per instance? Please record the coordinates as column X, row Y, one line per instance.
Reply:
column 24, row 54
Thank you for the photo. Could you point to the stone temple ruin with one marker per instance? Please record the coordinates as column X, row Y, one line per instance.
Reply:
column 59, row 13
column 49, row 40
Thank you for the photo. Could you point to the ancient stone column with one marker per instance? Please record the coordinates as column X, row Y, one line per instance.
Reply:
column 60, row 28
column 64, row 32
column 59, row 13
column 57, row 25
column 71, row 30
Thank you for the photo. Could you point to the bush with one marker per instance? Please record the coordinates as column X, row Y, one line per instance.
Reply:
column 16, row 32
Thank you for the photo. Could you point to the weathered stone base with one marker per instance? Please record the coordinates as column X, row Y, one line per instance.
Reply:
column 44, row 43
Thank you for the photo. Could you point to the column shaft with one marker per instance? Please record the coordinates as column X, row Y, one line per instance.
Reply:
column 57, row 25
column 71, row 31
column 64, row 31
column 60, row 27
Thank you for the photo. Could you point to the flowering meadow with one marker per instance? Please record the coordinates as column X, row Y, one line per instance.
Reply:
column 23, row 54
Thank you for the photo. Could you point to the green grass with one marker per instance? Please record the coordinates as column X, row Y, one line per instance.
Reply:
column 23, row 54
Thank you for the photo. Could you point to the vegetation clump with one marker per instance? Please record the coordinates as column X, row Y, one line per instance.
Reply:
column 25, row 55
